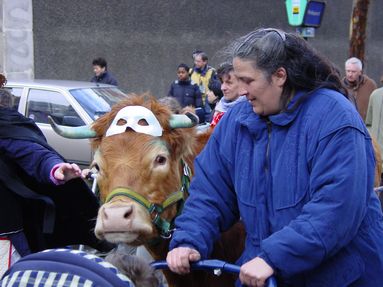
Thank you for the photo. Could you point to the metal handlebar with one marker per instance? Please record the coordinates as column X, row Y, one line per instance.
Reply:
column 216, row 266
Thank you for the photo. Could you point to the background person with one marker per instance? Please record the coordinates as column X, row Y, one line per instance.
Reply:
column 44, row 204
column 359, row 85
column 374, row 118
column 230, row 90
column 186, row 93
column 202, row 74
column 101, row 73
column 296, row 164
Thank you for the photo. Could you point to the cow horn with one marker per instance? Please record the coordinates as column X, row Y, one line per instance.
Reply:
column 82, row 132
column 187, row 120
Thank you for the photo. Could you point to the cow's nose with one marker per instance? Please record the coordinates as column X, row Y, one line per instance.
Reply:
column 116, row 217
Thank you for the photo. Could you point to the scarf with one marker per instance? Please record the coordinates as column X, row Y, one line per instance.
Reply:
column 224, row 105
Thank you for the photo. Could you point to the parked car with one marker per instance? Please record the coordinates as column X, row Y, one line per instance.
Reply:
column 69, row 103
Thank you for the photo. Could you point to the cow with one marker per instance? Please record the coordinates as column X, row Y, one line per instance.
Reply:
column 144, row 156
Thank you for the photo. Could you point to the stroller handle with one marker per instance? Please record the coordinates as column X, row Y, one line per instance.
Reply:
column 216, row 266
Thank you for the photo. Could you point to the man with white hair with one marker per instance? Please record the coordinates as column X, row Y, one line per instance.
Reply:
column 359, row 85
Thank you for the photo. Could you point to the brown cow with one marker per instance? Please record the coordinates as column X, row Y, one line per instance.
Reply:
column 137, row 170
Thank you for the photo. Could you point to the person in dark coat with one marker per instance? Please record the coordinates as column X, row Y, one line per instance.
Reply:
column 183, row 90
column 101, row 74
column 44, row 202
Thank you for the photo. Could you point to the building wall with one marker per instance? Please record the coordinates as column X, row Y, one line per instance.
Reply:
column 16, row 39
column 144, row 41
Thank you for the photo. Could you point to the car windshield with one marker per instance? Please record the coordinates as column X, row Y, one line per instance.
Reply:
column 97, row 101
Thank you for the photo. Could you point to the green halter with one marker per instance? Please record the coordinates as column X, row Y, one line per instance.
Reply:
column 164, row 227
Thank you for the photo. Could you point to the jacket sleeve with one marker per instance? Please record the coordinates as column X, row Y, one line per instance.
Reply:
column 369, row 111
column 341, row 183
column 211, row 206
column 113, row 81
column 34, row 159
column 198, row 97
column 170, row 93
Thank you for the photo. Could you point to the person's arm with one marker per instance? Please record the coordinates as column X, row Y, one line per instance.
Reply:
column 211, row 206
column 369, row 112
column 113, row 81
column 38, row 162
column 198, row 97
column 170, row 93
column 340, row 184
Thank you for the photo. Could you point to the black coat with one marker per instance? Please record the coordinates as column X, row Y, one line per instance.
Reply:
column 105, row 78
column 50, row 216
column 186, row 93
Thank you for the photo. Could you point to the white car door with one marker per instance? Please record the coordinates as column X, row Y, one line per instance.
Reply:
column 41, row 103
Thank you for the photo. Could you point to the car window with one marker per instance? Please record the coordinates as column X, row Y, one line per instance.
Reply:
column 97, row 101
column 16, row 95
column 41, row 104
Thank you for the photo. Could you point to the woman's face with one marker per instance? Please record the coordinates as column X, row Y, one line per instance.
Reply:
column 230, row 87
column 262, row 94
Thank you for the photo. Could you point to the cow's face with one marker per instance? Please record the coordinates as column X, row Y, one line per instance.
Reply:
column 148, row 165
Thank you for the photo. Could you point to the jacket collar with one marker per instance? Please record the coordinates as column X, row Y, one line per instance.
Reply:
column 255, row 122
column 354, row 85
column 286, row 117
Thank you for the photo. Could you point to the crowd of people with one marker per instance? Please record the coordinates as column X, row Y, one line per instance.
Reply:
column 290, row 156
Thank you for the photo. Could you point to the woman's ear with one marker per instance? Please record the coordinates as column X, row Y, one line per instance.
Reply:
column 280, row 76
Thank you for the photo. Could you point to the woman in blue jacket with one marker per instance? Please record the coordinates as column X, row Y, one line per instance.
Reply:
column 296, row 163
column 187, row 93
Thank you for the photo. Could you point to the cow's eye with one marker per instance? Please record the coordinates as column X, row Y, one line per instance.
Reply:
column 121, row 122
column 143, row 122
column 161, row 160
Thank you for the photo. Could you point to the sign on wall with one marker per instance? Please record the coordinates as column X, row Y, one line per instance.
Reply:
column 314, row 13
column 295, row 11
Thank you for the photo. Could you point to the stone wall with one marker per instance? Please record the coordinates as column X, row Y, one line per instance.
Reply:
column 144, row 41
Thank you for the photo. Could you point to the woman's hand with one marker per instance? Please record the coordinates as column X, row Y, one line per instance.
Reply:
column 255, row 272
column 67, row 171
column 179, row 259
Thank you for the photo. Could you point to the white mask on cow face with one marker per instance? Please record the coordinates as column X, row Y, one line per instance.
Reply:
column 138, row 118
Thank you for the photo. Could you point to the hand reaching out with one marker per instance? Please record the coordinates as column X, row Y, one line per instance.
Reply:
column 67, row 171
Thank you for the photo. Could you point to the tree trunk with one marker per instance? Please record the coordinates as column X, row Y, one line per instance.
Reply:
column 358, row 28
